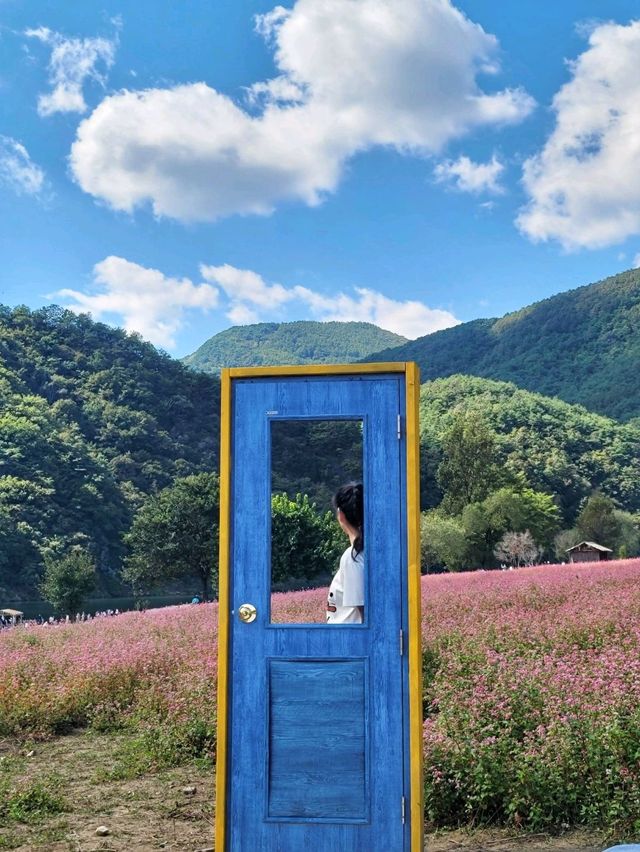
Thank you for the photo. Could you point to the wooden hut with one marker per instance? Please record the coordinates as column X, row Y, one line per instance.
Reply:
column 588, row 551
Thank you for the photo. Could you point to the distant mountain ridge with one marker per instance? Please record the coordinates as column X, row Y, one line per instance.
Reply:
column 582, row 346
column 303, row 342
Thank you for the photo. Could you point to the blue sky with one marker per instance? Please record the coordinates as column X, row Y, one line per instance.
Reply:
column 180, row 168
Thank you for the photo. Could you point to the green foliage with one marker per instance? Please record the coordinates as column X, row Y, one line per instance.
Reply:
column 304, row 543
column 602, row 522
column 68, row 579
column 506, row 510
column 162, row 746
column 598, row 522
column 468, row 471
column 581, row 345
column 290, row 343
column 443, row 542
column 314, row 457
column 563, row 541
column 628, row 543
column 555, row 448
column 92, row 420
column 174, row 535
column 526, row 509
column 30, row 803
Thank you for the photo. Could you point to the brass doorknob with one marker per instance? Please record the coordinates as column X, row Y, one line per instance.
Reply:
column 247, row 613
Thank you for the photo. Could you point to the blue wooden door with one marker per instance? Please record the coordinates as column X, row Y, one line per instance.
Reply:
column 317, row 748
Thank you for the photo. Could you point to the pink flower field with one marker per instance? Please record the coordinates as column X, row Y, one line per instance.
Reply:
column 531, row 689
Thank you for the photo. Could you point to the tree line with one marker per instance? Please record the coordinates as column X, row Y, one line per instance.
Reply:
column 101, row 434
column 489, row 514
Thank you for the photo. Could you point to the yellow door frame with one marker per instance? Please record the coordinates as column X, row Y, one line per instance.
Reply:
column 412, row 388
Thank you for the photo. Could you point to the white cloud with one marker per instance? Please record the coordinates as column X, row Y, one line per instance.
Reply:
column 73, row 61
column 635, row 264
column 409, row 318
column 243, row 285
column 584, row 185
column 252, row 298
column 146, row 300
column 242, row 315
column 278, row 90
column 17, row 169
column 468, row 176
column 156, row 305
column 352, row 75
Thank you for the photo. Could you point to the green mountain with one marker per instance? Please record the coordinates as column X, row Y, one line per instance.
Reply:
column 582, row 346
column 91, row 421
column 560, row 449
column 291, row 343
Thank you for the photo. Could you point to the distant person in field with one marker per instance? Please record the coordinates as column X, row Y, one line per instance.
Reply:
column 345, row 604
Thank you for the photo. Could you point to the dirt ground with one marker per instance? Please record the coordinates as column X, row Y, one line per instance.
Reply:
column 170, row 810
column 503, row 841
column 149, row 813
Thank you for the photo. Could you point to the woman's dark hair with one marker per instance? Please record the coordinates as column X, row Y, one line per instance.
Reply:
column 349, row 499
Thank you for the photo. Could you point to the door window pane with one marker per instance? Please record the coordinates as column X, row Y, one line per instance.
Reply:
column 310, row 461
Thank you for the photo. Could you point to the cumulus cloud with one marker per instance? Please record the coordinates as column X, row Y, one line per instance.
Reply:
column 73, row 61
column 468, row 176
column 584, row 185
column 145, row 300
column 636, row 262
column 252, row 298
column 410, row 318
column 243, row 285
column 17, row 169
column 351, row 75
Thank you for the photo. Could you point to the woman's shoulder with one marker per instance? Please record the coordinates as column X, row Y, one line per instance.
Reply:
column 348, row 558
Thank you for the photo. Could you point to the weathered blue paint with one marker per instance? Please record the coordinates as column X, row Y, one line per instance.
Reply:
column 317, row 723
column 290, row 785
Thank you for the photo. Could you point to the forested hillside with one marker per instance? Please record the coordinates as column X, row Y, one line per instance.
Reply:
column 91, row 421
column 582, row 346
column 560, row 449
column 291, row 343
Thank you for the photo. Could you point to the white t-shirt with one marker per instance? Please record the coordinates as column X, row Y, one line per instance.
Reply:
column 346, row 592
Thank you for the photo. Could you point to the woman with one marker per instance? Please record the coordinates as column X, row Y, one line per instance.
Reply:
column 345, row 604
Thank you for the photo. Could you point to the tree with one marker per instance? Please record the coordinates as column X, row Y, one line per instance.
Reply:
column 174, row 535
column 629, row 538
column 563, row 541
column 442, row 542
column 468, row 471
column 304, row 543
column 598, row 521
column 522, row 510
column 517, row 548
column 505, row 511
column 68, row 579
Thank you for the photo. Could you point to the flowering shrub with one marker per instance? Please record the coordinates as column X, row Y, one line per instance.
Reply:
column 532, row 697
column 531, row 689
column 147, row 669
